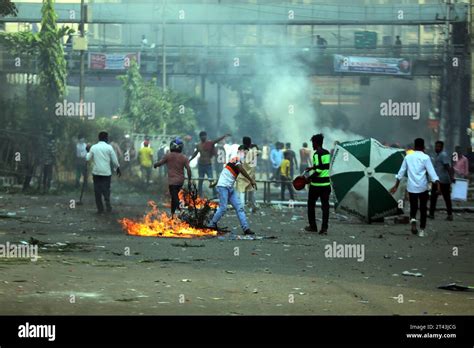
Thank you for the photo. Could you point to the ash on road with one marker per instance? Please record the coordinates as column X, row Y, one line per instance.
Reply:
column 90, row 266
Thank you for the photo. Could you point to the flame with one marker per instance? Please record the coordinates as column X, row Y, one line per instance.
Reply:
column 159, row 224
column 200, row 202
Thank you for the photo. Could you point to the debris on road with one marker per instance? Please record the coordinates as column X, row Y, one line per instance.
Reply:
column 456, row 287
column 411, row 274
column 187, row 245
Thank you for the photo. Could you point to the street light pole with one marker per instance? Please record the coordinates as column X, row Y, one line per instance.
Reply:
column 445, row 116
column 163, row 46
column 81, row 75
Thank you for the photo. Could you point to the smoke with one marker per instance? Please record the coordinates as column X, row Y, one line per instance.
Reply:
column 288, row 102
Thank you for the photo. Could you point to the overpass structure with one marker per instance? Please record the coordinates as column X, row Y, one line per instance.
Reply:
column 210, row 53
column 191, row 39
column 136, row 12
column 427, row 60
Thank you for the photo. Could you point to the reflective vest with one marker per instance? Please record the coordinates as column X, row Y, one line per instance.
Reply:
column 321, row 173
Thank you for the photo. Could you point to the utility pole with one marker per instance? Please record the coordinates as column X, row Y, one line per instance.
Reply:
column 445, row 128
column 81, row 74
column 163, row 46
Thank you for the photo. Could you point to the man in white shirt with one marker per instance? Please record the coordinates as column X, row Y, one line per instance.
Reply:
column 227, row 194
column 81, row 164
column 418, row 165
column 103, row 159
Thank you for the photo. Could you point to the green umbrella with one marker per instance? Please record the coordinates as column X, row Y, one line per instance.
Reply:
column 362, row 173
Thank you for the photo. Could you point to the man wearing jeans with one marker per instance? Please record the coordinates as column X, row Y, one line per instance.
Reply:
column 206, row 150
column 103, row 159
column 227, row 194
column 417, row 165
column 445, row 174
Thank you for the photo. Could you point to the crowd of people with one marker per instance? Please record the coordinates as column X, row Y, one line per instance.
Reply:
column 231, row 169
column 236, row 168
column 442, row 170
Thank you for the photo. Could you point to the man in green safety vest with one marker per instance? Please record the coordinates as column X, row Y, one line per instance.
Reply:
column 320, row 185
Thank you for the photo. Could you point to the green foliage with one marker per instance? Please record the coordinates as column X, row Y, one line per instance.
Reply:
column 149, row 109
column 20, row 44
column 47, row 46
column 53, row 67
column 182, row 117
column 131, row 84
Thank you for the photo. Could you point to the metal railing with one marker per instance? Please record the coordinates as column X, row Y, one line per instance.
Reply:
column 230, row 12
column 218, row 57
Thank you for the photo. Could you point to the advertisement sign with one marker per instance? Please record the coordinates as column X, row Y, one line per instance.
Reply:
column 372, row 65
column 112, row 61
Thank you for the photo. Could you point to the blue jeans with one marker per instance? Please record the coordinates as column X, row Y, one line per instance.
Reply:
column 203, row 170
column 228, row 195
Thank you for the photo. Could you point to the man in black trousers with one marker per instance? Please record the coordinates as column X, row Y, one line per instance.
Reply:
column 103, row 158
column 320, row 185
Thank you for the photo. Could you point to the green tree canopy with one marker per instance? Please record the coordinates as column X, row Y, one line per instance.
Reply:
column 150, row 109
column 8, row 8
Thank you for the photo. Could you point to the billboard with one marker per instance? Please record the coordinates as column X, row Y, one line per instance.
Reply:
column 112, row 61
column 372, row 65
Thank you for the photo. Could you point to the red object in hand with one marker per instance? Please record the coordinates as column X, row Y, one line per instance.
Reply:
column 299, row 183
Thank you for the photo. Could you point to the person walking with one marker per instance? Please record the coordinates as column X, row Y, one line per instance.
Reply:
column 145, row 158
column 418, row 166
column 103, row 158
column 176, row 162
column 444, row 172
column 248, row 153
column 460, row 164
column 320, row 185
column 305, row 158
column 276, row 156
column 81, row 163
column 49, row 152
column 291, row 158
column 286, row 177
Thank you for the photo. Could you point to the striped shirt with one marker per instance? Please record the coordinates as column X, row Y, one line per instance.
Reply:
column 229, row 174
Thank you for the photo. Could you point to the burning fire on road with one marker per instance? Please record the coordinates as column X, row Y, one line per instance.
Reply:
column 190, row 223
column 197, row 202
column 159, row 224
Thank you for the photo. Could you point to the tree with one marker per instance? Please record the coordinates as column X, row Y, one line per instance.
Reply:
column 38, row 115
column 182, row 118
column 150, row 109
column 131, row 84
column 8, row 8
column 52, row 64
